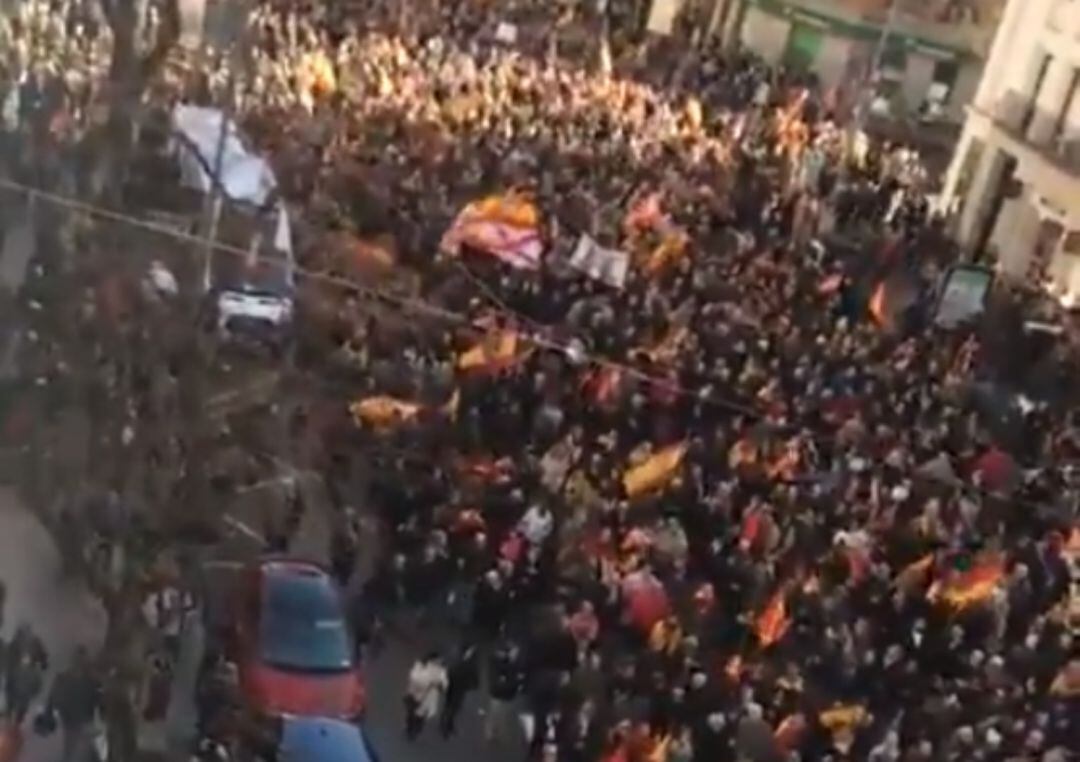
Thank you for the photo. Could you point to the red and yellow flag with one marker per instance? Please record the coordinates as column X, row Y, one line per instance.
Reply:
column 841, row 718
column 383, row 412
column 498, row 351
column 971, row 587
column 671, row 249
column 655, row 472
column 773, row 622
column 510, row 208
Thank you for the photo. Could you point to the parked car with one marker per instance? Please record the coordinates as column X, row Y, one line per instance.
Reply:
column 322, row 740
column 292, row 645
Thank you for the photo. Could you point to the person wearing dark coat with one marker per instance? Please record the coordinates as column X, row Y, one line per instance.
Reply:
column 76, row 699
column 25, row 665
column 464, row 675
column 506, row 680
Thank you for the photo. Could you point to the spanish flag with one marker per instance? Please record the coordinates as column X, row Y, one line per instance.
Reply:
column 655, row 473
column 671, row 249
column 971, row 587
column 498, row 351
column 843, row 718
column 511, row 209
column 773, row 622
column 382, row 412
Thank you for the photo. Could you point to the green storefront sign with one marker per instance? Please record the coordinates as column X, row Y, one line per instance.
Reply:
column 806, row 17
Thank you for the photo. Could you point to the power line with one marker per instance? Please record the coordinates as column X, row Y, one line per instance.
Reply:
column 422, row 307
column 408, row 304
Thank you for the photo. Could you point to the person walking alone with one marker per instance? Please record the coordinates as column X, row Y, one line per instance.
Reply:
column 25, row 665
column 464, row 676
column 76, row 698
column 506, row 679
column 428, row 682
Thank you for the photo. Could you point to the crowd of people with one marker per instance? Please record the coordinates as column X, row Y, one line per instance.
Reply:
column 719, row 511
column 727, row 507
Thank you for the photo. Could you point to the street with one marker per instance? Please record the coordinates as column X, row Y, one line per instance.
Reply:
column 60, row 611
column 386, row 674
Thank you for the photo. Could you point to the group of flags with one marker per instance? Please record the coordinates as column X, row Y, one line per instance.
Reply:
column 646, row 220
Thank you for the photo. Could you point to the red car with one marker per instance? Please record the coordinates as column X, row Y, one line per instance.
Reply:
column 292, row 643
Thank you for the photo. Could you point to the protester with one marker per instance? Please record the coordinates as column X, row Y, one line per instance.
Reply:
column 718, row 486
column 464, row 677
column 25, row 664
column 424, row 695
column 76, row 699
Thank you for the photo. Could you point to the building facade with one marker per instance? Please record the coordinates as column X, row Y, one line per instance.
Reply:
column 1013, row 188
column 929, row 61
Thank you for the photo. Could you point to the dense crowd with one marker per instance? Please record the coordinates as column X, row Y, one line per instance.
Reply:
column 730, row 509
column 832, row 556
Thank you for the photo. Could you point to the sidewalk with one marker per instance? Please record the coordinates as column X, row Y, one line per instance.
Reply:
column 61, row 611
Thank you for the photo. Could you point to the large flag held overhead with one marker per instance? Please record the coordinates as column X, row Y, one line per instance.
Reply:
column 773, row 622
column 969, row 588
column 655, row 472
column 505, row 226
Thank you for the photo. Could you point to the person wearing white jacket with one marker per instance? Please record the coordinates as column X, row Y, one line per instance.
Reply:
column 424, row 693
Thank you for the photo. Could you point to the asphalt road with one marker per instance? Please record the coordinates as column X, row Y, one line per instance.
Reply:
column 386, row 673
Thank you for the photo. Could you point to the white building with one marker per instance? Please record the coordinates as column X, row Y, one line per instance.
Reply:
column 1014, row 183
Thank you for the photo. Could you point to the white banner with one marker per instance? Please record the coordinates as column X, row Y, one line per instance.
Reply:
column 608, row 266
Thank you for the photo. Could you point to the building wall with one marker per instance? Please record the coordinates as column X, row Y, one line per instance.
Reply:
column 765, row 34
column 832, row 62
column 963, row 91
column 1026, row 105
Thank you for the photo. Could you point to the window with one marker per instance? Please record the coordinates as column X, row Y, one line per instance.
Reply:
column 945, row 73
column 1033, row 93
column 894, row 58
column 1066, row 106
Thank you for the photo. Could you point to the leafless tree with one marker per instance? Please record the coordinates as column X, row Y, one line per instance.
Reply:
column 135, row 63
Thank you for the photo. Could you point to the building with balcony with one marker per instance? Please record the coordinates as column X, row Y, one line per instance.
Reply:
column 1013, row 188
column 930, row 52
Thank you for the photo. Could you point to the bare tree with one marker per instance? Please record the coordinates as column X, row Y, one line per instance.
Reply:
column 134, row 65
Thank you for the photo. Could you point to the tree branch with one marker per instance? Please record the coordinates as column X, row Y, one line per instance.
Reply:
column 167, row 36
